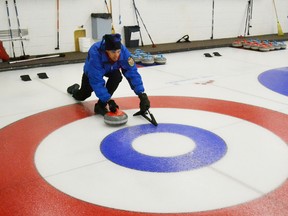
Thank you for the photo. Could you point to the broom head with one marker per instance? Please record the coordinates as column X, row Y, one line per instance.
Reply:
column 280, row 32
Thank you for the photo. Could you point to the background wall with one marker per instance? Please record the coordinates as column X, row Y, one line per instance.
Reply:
column 166, row 20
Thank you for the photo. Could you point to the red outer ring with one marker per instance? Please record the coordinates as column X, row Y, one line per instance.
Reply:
column 24, row 192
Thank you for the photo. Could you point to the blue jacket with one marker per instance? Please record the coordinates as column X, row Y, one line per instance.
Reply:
column 97, row 65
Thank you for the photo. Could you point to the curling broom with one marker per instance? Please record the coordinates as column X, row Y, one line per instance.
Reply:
column 280, row 31
column 110, row 12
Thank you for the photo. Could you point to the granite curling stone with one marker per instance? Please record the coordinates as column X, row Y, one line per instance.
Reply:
column 115, row 119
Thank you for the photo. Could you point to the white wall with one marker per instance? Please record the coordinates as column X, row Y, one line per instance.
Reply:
column 166, row 20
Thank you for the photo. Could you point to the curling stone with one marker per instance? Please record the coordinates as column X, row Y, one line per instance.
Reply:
column 115, row 119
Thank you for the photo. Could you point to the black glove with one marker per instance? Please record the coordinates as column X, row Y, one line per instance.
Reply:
column 144, row 102
column 112, row 106
column 100, row 108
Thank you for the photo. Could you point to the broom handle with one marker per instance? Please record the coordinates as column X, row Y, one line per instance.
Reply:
column 275, row 10
column 113, row 29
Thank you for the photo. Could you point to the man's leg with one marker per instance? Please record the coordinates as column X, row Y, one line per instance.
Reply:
column 113, row 81
column 84, row 92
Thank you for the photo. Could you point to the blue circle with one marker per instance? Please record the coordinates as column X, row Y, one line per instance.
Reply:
column 275, row 80
column 117, row 147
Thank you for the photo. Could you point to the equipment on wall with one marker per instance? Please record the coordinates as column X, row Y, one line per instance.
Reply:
column 212, row 31
column 110, row 12
column 120, row 17
column 137, row 20
column 10, row 28
column 249, row 12
column 19, row 29
column 113, row 29
column 138, row 14
column 57, row 23
column 280, row 31
column 185, row 39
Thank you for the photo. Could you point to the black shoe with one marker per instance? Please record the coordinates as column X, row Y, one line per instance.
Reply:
column 72, row 89
column 100, row 108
